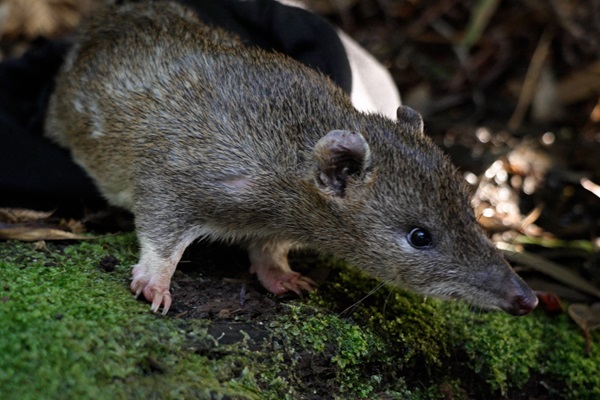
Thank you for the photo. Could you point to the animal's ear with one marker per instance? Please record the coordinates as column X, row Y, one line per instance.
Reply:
column 410, row 117
column 340, row 157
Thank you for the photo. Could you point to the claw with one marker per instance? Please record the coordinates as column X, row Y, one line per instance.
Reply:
column 161, row 298
column 292, row 286
column 154, row 287
column 306, row 284
column 156, row 304
column 293, row 283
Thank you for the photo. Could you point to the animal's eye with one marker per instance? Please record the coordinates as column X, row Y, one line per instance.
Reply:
column 420, row 238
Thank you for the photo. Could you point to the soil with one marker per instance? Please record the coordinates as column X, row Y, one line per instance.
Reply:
column 213, row 282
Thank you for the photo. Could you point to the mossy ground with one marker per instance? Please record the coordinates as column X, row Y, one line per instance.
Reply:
column 71, row 330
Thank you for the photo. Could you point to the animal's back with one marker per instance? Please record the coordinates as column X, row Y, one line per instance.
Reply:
column 159, row 85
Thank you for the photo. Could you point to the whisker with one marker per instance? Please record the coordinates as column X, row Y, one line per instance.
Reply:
column 385, row 303
column 356, row 304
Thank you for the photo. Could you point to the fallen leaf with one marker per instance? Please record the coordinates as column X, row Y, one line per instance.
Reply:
column 41, row 246
column 35, row 233
column 549, row 301
column 14, row 215
column 585, row 315
column 588, row 319
column 73, row 225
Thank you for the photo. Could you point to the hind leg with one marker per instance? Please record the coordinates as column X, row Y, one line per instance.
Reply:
column 269, row 261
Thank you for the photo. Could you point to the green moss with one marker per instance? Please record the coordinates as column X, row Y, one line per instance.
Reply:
column 341, row 348
column 370, row 352
column 439, row 339
column 414, row 327
column 511, row 351
column 501, row 348
column 566, row 362
column 72, row 330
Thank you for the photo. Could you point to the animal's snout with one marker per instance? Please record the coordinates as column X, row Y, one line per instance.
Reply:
column 521, row 299
column 523, row 304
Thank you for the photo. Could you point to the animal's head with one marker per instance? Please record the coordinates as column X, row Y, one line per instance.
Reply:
column 406, row 217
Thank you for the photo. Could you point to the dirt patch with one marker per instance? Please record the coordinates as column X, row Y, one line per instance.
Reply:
column 212, row 284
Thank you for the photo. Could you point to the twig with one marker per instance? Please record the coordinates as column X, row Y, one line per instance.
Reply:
column 531, row 79
column 591, row 186
column 482, row 13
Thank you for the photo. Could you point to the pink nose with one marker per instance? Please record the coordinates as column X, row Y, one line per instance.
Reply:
column 524, row 304
column 521, row 300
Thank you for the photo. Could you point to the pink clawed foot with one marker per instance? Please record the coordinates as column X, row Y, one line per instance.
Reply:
column 280, row 281
column 269, row 262
column 300, row 284
column 155, row 288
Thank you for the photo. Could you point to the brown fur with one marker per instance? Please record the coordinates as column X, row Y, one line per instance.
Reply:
column 199, row 135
